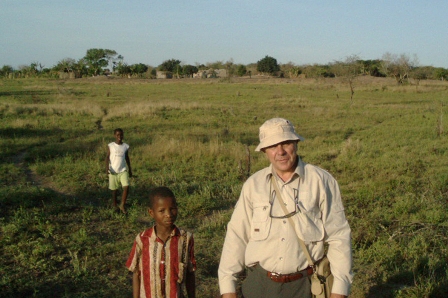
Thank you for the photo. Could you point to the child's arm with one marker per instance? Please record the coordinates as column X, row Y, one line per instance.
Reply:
column 128, row 162
column 190, row 284
column 107, row 160
column 136, row 284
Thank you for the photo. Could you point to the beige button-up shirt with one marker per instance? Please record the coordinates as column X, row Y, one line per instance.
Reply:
column 255, row 234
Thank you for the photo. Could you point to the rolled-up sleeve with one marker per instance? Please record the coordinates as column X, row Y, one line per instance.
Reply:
column 338, row 236
column 237, row 237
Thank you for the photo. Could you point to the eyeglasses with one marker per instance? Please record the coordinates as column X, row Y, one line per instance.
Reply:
column 296, row 205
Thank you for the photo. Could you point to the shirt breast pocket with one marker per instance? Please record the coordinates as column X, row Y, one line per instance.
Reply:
column 309, row 221
column 261, row 223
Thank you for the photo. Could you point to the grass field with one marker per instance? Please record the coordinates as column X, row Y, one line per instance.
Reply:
column 388, row 149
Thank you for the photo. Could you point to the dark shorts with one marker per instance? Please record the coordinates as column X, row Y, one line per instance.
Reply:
column 258, row 285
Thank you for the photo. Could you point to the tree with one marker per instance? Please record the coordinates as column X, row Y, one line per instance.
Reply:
column 201, row 66
column 81, row 68
column 6, row 70
column 178, row 70
column 215, row 65
column 65, row 65
column 398, row 67
column 230, row 69
column 189, row 70
column 317, row 71
column 371, row 67
column 241, row 70
column 32, row 69
column 441, row 73
column 97, row 59
column 421, row 73
column 268, row 65
column 171, row 65
column 116, row 62
column 348, row 70
column 153, row 72
column 29, row 70
column 139, row 69
column 122, row 69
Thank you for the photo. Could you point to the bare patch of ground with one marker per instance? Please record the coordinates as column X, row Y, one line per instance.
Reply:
column 32, row 177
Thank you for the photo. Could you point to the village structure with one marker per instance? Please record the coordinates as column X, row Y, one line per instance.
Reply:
column 201, row 74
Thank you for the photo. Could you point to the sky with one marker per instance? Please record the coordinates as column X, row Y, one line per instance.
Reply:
column 206, row 31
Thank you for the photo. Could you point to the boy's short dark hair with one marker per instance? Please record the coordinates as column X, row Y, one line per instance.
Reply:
column 118, row 130
column 160, row 192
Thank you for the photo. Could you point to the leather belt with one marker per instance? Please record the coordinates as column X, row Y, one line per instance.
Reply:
column 284, row 278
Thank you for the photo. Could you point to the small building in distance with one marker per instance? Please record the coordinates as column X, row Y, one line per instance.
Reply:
column 164, row 74
column 211, row 73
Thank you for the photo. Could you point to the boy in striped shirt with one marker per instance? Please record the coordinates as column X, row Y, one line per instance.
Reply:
column 162, row 257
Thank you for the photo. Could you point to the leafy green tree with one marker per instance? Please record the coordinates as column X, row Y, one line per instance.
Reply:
column 178, row 70
column 139, row 69
column 215, row 65
column 32, row 69
column 371, row 67
column 65, row 65
column 171, row 65
column 317, row 71
column 117, row 61
column 122, row 69
column 189, row 70
column 29, row 70
column 81, row 68
column 230, row 68
column 241, row 70
column 268, row 65
column 97, row 59
column 441, row 73
column 6, row 70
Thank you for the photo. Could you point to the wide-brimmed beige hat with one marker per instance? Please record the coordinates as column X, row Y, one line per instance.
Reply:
column 276, row 130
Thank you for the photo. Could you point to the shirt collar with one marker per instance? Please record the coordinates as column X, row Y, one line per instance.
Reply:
column 151, row 232
column 298, row 171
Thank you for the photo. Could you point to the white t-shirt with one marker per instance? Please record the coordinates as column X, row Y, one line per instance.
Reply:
column 117, row 158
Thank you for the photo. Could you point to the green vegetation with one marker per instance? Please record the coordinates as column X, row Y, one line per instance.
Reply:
column 268, row 65
column 98, row 59
column 387, row 147
column 96, row 62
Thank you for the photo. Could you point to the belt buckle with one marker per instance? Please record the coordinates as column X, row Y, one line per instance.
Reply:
column 275, row 276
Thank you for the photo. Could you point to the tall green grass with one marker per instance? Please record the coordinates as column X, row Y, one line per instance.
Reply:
column 388, row 149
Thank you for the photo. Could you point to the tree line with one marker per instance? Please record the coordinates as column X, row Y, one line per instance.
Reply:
column 108, row 62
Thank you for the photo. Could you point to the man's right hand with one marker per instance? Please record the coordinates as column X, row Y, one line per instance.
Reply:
column 228, row 295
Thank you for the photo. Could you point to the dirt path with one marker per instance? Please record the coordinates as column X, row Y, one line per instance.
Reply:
column 19, row 161
column 32, row 177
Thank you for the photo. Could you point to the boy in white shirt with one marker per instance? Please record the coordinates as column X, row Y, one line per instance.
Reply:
column 116, row 160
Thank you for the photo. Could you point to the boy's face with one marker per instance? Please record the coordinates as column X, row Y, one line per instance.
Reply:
column 164, row 212
column 119, row 137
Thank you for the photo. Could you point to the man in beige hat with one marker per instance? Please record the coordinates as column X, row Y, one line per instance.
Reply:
column 260, row 236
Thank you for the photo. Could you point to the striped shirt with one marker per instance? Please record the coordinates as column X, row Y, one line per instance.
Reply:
column 162, row 265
